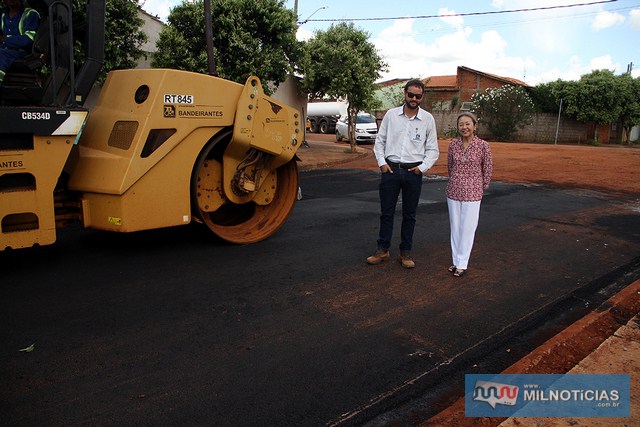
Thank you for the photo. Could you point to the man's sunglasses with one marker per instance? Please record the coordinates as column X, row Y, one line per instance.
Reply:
column 414, row 95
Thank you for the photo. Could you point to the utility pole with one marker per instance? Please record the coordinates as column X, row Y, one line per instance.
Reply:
column 208, row 33
column 558, row 124
column 295, row 8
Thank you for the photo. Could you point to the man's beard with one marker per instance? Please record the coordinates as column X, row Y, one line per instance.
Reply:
column 409, row 106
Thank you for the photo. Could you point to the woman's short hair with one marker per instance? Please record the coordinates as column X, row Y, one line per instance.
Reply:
column 468, row 114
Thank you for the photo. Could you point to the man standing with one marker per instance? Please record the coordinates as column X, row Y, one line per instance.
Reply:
column 18, row 26
column 406, row 147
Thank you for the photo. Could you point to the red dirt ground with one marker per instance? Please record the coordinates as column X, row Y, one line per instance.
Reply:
column 610, row 169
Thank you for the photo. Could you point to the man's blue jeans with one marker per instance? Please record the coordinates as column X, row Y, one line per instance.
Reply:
column 7, row 56
column 391, row 184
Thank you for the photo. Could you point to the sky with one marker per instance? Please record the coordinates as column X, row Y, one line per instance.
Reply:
column 427, row 38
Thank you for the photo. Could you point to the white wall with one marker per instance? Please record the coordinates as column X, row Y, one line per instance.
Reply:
column 152, row 27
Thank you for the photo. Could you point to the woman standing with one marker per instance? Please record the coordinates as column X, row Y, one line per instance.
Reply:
column 470, row 167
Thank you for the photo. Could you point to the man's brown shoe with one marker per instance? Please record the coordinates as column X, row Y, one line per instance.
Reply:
column 378, row 257
column 406, row 261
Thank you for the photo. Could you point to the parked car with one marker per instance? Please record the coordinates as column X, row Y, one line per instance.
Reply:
column 366, row 129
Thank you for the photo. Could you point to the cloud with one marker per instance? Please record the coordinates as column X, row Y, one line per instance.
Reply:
column 547, row 30
column 160, row 8
column 555, row 38
column 399, row 48
column 398, row 41
column 572, row 70
column 454, row 21
column 407, row 56
column 634, row 18
column 576, row 68
column 603, row 62
column 606, row 19
column 303, row 35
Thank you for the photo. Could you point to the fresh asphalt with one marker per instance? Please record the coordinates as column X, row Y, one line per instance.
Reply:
column 173, row 327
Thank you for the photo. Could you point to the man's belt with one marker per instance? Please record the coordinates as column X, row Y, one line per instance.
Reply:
column 403, row 165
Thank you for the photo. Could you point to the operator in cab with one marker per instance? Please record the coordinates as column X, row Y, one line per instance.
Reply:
column 18, row 26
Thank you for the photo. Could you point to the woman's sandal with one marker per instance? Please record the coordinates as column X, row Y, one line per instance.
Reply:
column 459, row 272
column 452, row 269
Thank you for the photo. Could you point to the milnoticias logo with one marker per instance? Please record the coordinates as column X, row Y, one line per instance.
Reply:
column 547, row 395
column 495, row 393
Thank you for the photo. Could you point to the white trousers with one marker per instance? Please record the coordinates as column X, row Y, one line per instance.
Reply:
column 463, row 220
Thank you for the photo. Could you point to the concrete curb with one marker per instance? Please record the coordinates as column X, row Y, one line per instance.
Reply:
column 594, row 329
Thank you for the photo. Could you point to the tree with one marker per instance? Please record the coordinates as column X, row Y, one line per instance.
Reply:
column 594, row 98
column 123, row 35
column 392, row 96
column 250, row 37
column 341, row 63
column 503, row 110
column 546, row 96
column 630, row 103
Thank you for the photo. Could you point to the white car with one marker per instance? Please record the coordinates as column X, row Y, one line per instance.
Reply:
column 366, row 128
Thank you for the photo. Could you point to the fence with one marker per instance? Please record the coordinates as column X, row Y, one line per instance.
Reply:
column 542, row 130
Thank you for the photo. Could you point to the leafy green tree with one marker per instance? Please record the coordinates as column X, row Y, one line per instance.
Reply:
column 391, row 96
column 594, row 98
column 182, row 44
column 123, row 35
column 546, row 96
column 503, row 110
column 250, row 37
column 341, row 63
column 630, row 102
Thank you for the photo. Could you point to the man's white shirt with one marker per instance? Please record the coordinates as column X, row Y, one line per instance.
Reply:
column 407, row 140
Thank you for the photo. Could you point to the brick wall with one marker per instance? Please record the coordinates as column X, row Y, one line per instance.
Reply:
column 542, row 130
column 432, row 96
column 470, row 83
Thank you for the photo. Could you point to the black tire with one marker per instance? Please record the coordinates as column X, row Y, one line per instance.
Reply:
column 324, row 127
column 338, row 136
column 313, row 126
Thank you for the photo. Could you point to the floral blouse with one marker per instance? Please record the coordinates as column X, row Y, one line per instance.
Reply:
column 470, row 169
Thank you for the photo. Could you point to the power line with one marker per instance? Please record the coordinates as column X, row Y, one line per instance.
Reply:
column 524, row 21
column 495, row 12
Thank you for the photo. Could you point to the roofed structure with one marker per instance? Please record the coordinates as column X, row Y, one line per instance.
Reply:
column 455, row 92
